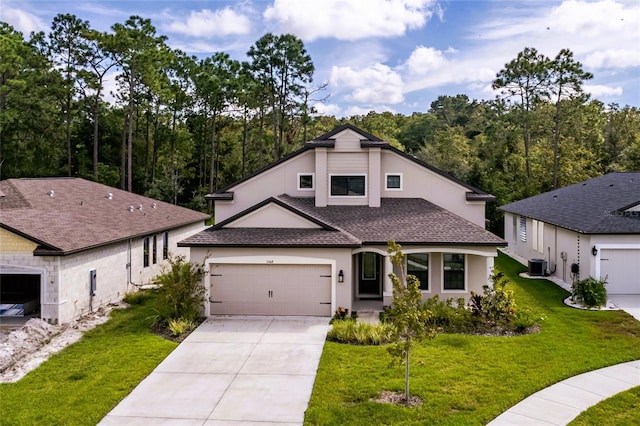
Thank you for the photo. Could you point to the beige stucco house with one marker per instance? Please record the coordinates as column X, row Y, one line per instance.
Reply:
column 308, row 234
column 589, row 229
column 68, row 245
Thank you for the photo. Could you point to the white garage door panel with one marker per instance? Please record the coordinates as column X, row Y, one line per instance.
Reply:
column 622, row 269
column 250, row 289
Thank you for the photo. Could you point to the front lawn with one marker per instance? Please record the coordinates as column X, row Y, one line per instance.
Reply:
column 82, row 383
column 466, row 379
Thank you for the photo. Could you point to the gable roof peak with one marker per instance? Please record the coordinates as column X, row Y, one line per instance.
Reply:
column 330, row 136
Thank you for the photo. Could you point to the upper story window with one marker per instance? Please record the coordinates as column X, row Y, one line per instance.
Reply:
column 306, row 181
column 418, row 266
column 393, row 181
column 348, row 186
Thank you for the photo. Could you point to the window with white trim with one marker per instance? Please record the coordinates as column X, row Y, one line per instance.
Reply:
column 418, row 266
column 523, row 229
column 306, row 182
column 393, row 181
column 453, row 271
column 145, row 251
column 348, row 185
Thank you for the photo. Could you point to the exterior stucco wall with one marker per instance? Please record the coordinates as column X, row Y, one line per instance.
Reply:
column 64, row 291
column 419, row 182
column 272, row 216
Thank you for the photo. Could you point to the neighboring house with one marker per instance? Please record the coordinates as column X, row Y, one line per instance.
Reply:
column 587, row 229
column 68, row 245
column 309, row 233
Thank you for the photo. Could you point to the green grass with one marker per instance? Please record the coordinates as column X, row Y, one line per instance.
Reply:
column 82, row 383
column 620, row 409
column 469, row 380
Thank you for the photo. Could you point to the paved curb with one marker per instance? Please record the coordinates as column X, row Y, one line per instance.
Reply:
column 560, row 403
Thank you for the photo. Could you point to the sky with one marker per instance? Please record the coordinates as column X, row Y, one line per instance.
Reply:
column 388, row 55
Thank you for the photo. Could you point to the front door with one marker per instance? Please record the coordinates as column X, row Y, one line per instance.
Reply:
column 369, row 284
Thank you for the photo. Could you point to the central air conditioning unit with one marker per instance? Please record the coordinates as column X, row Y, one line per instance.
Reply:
column 537, row 267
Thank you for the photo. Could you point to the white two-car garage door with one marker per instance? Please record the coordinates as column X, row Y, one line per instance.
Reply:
column 622, row 269
column 272, row 289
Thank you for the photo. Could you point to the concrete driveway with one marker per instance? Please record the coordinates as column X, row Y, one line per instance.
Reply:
column 231, row 371
column 629, row 303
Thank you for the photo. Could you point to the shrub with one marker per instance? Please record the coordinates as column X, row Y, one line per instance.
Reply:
column 182, row 290
column 137, row 298
column 360, row 333
column 591, row 292
column 340, row 314
column 180, row 326
column 496, row 305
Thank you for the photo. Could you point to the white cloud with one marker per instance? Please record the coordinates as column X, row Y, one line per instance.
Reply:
column 347, row 19
column 597, row 90
column 22, row 21
column 613, row 58
column 325, row 109
column 424, row 59
column 376, row 84
column 360, row 110
column 207, row 23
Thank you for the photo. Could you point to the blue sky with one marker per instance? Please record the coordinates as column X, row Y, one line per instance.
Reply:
column 389, row 55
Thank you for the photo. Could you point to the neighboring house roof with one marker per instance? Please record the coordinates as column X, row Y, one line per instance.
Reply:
column 67, row 215
column 596, row 206
column 408, row 221
column 367, row 141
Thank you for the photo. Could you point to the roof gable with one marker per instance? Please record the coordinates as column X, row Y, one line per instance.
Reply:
column 272, row 215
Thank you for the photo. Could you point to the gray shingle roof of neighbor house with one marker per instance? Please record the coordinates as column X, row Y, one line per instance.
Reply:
column 409, row 221
column 368, row 140
column 596, row 206
column 67, row 215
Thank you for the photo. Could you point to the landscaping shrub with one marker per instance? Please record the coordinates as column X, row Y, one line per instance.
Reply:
column 137, row 298
column 181, row 291
column 496, row 306
column 360, row 333
column 180, row 326
column 591, row 292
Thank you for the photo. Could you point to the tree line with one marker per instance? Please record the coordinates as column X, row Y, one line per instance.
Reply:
column 182, row 126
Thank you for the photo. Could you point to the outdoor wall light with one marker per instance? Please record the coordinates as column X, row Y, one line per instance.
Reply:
column 594, row 251
column 341, row 276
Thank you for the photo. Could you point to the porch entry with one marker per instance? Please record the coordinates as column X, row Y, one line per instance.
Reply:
column 369, row 278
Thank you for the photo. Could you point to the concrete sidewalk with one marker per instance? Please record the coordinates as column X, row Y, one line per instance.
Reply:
column 231, row 371
column 562, row 402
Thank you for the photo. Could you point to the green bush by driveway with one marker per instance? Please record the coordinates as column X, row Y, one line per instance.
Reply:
column 468, row 379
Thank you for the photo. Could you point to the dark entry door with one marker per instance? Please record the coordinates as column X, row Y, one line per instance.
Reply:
column 369, row 286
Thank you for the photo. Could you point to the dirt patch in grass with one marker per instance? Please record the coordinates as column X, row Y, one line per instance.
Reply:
column 25, row 349
column 397, row 398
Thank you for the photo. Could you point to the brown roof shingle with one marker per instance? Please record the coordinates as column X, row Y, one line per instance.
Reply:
column 409, row 221
column 66, row 215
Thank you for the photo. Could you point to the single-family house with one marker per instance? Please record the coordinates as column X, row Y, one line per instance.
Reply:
column 69, row 245
column 589, row 229
column 308, row 233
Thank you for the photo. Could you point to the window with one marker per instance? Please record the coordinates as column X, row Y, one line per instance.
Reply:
column 145, row 251
column 537, row 236
column 154, row 255
column 523, row 229
column 394, row 181
column 418, row 265
column 453, row 271
column 165, row 245
column 350, row 186
column 305, row 181
column 515, row 228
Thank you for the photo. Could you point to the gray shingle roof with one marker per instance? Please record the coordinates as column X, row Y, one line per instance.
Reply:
column 595, row 206
column 80, row 215
column 409, row 221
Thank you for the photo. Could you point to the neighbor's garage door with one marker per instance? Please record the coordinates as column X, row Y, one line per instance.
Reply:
column 622, row 269
column 250, row 289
